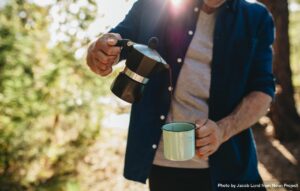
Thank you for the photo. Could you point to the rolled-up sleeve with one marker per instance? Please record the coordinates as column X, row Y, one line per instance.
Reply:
column 261, row 75
column 129, row 26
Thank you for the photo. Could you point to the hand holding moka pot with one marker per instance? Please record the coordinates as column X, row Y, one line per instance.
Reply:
column 142, row 61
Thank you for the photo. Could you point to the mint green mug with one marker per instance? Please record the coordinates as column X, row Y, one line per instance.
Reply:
column 179, row 141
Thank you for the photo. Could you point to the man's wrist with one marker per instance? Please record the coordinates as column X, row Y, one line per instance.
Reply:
column 226, row 126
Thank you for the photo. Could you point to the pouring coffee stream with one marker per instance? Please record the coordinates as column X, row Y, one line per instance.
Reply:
column 141, row 63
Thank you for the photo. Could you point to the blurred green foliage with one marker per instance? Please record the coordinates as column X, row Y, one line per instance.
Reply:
column 295, row 47
column 49, row 109
column 49, row 100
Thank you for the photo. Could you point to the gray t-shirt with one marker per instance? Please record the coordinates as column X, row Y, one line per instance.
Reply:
column 190, row 100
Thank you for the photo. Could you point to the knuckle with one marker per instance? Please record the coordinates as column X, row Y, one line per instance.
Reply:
column 100, row 40
column 111, row 59
column 114, row 51
column 105, row 60
column 103, row 67
column 89, row 62
column 95, row 70
column 115, row 35
column 95, row 62
column 110, row 51
column 200, row 130
column 199, row 153
column 215, row 136
column 93, row 54
column 118, row 35
column 202, row 150
column 213, row 139
column 200, row 142
column 108, row 71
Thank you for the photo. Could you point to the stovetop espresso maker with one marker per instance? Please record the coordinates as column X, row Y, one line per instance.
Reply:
column 142, row 62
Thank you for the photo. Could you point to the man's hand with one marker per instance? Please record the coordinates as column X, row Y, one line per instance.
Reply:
column 103, row 53
column 209, row 136
column 212, row 134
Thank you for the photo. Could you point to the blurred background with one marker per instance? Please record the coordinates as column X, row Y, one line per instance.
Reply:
column 61, row 128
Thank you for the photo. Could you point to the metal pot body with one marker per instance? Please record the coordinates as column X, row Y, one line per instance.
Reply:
column 141, row 63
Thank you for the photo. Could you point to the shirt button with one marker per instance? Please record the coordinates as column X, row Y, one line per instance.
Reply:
column 154, row 146
column 191, row 32
column 170, row 88
column 196, row 9
column 179, row 60
column 162, row 117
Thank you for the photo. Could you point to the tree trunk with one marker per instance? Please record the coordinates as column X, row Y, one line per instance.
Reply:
column 283, row 112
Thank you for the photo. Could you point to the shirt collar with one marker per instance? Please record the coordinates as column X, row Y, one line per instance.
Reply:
column 231, row 4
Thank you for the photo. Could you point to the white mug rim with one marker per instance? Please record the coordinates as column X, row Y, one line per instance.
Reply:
column 179, row 122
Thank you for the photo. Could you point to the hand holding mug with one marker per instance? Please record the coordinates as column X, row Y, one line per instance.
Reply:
column 209, row 136
column 103, row 53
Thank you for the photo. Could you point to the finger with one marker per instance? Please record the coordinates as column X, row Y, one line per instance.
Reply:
column 91, row 63
column 106, row 72
column 102, row 71
column 100, row 66
column 206, row 155
column 200, row 142
column 112, row 41
column 111, row 50
column 94, row 63
column 103, row 58
column 203, row 131
column 202, row 151
column 107, row 45
column 209, row 153
column 95, row 67
column 201, row 122
column 113, row 36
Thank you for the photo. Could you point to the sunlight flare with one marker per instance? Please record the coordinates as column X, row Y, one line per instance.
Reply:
column 176, row 2
column 286, row 153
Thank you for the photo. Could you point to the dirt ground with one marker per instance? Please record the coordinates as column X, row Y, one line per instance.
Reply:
column 102, row 168
column 278, row 161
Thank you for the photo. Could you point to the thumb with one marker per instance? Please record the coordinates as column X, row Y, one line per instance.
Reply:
column 112, row 41
column 201, row 122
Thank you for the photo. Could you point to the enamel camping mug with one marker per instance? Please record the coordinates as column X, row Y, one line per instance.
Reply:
column 179, row 141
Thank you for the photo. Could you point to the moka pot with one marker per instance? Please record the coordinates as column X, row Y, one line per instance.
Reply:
column 141, row 63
